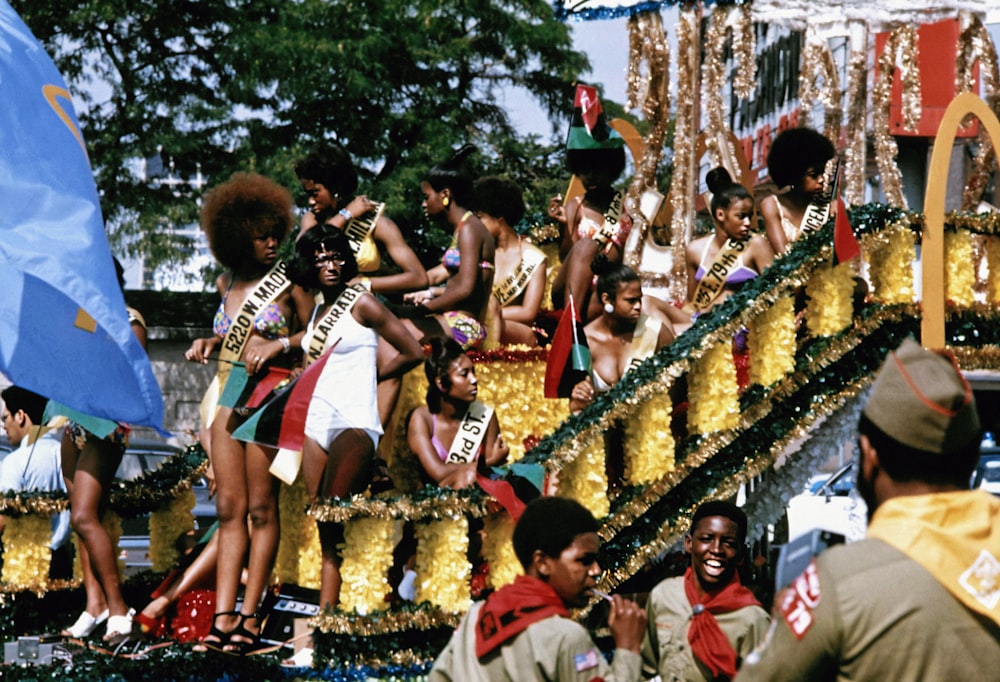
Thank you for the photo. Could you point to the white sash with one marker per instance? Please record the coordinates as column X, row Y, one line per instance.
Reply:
column 470, row 434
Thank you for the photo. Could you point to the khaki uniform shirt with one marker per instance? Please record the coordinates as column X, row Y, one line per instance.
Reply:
column 668, row 617
column 555, row 648
column 866, row 611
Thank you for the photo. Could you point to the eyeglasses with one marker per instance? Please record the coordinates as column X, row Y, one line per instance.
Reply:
column 323, row 261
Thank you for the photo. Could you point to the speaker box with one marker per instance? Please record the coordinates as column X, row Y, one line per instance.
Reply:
column 291, row 604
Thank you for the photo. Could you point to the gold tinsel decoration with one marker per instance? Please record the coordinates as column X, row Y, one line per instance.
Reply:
column 714, row 394
column 499, row 550
column 299, row 560
column 585, row 479
column 993, row 263
column 424, row 618
column 166, row 526
column 975, row 46
column 817, row 69
column 831, row 299
column 649, row 443
column 717, row 140
column 367, row 558
column 959, row 272
column 900, row 51
column 772, row 343
column 855, row 156
column 443, row 572
column 27, row 554
column 890, row 255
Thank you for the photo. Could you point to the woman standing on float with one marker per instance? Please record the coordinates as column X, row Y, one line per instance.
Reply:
column 342, row 425
column 245, row 219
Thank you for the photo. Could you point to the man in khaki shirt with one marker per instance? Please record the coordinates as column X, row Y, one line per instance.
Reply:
column 919, row 598
column 523, row 631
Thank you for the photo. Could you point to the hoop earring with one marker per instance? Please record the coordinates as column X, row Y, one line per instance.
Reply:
column 445, row 202
column 608, row 308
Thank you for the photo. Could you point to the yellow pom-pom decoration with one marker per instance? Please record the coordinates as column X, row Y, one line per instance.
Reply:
column 772, row 343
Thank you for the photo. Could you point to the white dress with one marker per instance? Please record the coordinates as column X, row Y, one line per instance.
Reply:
column 344, row 397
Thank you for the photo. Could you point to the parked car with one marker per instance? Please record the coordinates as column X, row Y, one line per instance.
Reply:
column 143, row 456
column 828, row 504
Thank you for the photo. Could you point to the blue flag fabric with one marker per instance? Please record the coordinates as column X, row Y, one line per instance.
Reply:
column 64, row 331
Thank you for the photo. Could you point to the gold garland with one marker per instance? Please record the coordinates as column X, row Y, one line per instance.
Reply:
column 27, row 555
column 423, row 618
column 367, row 558
column 585, row 479
column 772, row 343
column 817, row 61
column 683, row 182
column 890, row 255
column 975, row 46
column 993, row 265
column 404, row 507
column 166, row 526
column 300, row 556
column 499, row 550
column 717, row 140
column 649, row 443
column 857, row 107
column 900, row 51
column 443, row 572
column 831, row 299
column 959, row 272
column 713, row 392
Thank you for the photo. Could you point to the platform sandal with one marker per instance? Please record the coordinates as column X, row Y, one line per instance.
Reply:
column 249, row 642
column 221, row 638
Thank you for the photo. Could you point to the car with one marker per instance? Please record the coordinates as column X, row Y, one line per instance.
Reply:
column 828, row 503
column 141, row 457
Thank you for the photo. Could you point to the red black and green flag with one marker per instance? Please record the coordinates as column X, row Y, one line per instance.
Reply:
column 239, row 391
column 568, row 360
column 845, row 244
column 281, row 421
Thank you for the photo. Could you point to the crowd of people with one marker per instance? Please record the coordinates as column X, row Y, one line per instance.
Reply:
column 335, row 313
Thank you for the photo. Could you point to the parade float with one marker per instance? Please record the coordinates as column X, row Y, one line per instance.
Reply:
column 847, row 68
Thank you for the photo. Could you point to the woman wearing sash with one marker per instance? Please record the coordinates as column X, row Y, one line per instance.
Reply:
column 245, row 219
column 519, row 284
column 342, row 426
column 796, row 162
column 328, row 178
column 719, row 263
column 454, row 434
column 622, row 336
column 596, row 222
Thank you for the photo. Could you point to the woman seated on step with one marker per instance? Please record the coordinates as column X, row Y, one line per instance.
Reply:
column 454, row 435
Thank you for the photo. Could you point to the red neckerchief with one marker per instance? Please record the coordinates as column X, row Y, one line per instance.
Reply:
column 708, row 642
column 512, row 608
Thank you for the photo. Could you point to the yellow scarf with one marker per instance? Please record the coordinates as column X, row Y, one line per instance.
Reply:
column 955, row 536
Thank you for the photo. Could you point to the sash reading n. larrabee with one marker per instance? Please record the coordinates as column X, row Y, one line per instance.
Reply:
column 470, row 434
column 714, row 279
column 324, row 328
column 613, row 216
column 513, row 284
column 267, row 291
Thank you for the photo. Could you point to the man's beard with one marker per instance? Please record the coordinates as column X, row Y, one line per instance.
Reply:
column 866, row 489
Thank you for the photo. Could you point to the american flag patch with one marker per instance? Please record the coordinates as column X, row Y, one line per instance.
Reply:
column 586, row 661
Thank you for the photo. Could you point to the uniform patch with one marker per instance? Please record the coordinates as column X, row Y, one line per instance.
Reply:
column 586, row 661
column 982, row 579
column 799, row 600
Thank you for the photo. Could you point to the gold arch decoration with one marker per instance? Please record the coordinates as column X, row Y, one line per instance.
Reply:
column 975, row 46
column 900, row 50
column 856, row 143
column 932, row 248
column 818, row 66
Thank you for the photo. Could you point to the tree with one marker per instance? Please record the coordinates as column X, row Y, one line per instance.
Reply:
column 226, row 85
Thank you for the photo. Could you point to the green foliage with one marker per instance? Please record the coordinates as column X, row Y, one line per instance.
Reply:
column 227, row 85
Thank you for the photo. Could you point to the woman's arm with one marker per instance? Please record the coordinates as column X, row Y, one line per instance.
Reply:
column 527, row 310
column 763, row 254
column 495, row 449
column 691, row 259
column 413, row 275
column 409, row 353
column 462, row 284
column 772, row 224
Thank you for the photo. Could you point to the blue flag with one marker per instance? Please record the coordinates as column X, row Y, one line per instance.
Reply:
column 64, row 332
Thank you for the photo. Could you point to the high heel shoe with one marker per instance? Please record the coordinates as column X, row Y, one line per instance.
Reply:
column 119, row 628
column 85, row 624
column 249, row 642
column 220, row 638
column 152, row 626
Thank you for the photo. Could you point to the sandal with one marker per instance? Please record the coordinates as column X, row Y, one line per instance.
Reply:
column 85, row 624
column 119, row 628
column 250, row 641
column 221, row 638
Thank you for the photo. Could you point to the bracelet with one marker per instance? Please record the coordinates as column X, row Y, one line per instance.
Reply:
column 346, row 214
column 286, row 346
column 366, row 283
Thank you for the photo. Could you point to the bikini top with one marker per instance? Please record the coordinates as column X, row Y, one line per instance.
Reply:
column 368, row 256
column 588, row 227
column 452, row 258
column 600, row 385
column 790, row 229
column 439, row 447
column 738, row 276
column 269, row 322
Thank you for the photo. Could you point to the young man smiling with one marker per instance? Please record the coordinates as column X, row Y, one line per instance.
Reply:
column 700, row 626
